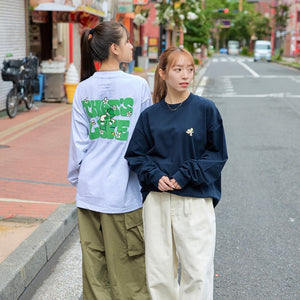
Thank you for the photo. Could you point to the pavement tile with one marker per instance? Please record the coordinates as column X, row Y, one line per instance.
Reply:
column 34, row 165
column 34, row 189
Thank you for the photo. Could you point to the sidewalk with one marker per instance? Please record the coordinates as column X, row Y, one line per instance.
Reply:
column 35, row 194
column 37, row 208
column 291, row 62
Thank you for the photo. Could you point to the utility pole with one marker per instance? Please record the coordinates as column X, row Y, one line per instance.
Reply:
column 273, row 26
column 203, row 47
column 296, row 30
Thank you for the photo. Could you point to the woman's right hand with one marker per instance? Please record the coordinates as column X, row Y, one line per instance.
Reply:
column 165, row 184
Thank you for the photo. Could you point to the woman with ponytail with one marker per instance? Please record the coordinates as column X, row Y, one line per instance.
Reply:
column 106, row 107
column 178, row 150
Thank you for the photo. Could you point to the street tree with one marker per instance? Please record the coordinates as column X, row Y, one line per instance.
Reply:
column 280, row 18
column 261, row 27
column 197, row 32
column 189, row 17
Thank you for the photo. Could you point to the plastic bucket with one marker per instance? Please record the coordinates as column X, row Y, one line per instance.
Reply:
column 39, row 96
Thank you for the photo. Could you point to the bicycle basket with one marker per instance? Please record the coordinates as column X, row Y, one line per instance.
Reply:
column 11, row 74
column 11, row 70
column 12, row 63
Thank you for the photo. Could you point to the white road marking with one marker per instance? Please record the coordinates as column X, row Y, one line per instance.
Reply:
column 274, row 95
column 202, row 84
column 27, row 201
column 248, row 69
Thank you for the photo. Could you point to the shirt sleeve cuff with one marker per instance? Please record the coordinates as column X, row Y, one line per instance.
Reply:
column 157, row 177
column 180, row 178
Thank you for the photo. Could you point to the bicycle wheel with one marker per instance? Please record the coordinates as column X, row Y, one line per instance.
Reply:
column 29, row 101
column 12, row 103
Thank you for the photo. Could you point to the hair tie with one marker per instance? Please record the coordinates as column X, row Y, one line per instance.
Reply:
column 91, row 33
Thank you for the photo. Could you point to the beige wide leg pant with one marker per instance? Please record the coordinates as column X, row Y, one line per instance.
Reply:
column 179, row 228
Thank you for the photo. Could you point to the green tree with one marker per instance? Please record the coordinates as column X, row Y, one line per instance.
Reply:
column 175, row 13
column 188, row 16
column 261, row 26
column 280, row 18
column 197, row 32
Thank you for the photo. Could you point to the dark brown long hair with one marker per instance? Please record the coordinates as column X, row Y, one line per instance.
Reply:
column 167, row 60
column 95, row 45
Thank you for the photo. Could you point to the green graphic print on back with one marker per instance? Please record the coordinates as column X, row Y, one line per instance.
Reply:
column 102, row 115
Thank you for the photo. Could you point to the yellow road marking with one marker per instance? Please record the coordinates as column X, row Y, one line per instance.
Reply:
column 28, row 123
column 38, row 121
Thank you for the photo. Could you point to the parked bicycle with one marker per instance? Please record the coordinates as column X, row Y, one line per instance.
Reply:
column 24, row 75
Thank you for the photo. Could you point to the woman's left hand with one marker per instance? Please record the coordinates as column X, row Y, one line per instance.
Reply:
column 175, row 184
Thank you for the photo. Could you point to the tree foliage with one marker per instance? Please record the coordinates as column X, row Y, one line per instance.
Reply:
column 281, row 16
column 200, row 26
column 261, row 26
column 197, row 32
column 187, row 15
column 175, row 13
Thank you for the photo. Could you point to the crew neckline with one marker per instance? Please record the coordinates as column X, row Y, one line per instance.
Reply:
column 177, row 106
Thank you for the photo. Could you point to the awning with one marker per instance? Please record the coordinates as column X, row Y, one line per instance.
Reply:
column 92, row 11
column 54, row 7
column 61, row 7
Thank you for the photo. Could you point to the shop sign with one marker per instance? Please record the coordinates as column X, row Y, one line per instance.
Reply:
column 125, row 6
column 40, row 16
column 153, row 48
column 140, row 2
column 225, row 23
column 67, row 17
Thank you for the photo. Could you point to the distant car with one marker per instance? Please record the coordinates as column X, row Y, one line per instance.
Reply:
column 233, row 47
column 223, row 50
column 262, row 50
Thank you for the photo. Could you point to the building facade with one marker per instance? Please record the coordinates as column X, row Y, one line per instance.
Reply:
column 13, row 35
column 51, row 29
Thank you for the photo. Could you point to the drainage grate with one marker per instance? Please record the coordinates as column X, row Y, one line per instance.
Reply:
column 4, row 146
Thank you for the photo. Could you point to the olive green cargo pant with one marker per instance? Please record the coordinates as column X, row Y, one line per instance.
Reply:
column 113, row 255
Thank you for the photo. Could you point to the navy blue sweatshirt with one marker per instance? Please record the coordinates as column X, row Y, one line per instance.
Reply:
column 187, row 143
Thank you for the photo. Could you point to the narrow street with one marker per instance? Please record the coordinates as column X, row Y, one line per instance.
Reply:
column 257, row 218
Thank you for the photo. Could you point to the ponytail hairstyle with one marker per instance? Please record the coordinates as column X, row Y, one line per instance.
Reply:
column 167, row 60
column 95, row 45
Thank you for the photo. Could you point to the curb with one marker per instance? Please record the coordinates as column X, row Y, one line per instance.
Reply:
column 286, row 64
column 199, row 74
column 23, row 264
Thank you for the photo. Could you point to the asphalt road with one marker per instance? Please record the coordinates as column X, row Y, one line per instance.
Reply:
column 257, row 251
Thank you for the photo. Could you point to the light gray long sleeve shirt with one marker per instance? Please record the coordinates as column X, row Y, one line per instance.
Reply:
column 106, row 108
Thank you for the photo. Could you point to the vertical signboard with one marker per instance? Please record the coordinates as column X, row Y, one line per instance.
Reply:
column 153, row 48
column 125, row 6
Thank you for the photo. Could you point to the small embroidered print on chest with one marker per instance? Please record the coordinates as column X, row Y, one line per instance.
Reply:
column 190, row 131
